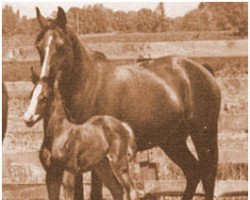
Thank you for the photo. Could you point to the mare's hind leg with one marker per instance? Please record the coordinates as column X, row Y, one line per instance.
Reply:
column 176, row 148
column 53, row 183
column 96, row 187
column 104, row 171
column 207, row 149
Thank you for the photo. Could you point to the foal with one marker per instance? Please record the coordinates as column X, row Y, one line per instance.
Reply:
column 103, row 143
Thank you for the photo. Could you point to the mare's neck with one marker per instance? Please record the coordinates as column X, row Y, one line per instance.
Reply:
column 77, row 80
column 77, row 70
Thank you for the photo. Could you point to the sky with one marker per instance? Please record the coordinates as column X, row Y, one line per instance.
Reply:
column 172, row 9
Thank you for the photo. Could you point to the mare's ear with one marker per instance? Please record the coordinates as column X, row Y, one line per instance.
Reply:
column 34, row 76
column 42, row 21
column 61, row 19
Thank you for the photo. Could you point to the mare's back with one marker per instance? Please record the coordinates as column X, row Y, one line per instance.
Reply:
column 168, row 86
column 179, row 72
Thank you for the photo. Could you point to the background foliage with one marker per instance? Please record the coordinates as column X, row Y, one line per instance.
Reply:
column 98, row 19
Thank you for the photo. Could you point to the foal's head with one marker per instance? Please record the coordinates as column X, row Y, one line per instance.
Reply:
column 41, row 98
column 55, row 42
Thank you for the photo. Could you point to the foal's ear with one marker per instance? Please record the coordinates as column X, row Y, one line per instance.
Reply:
column 34, row 76
column 42, row 21
column 61, row 19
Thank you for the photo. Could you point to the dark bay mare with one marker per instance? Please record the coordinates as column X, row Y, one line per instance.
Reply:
column 4, row 109
column 164, row 100
column 102, row 144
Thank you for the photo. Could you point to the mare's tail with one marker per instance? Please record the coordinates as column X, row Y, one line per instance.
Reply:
column 207, row 149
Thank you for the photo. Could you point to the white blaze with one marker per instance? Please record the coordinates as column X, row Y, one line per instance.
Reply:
column 30, row 114
column 46, row 58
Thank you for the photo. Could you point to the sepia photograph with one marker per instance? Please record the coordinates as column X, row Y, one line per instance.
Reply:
column 124, row 100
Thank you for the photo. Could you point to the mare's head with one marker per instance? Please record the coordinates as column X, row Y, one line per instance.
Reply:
column 55, row 43
column 40, row 101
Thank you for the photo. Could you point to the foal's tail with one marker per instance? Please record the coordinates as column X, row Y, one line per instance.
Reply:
column 136, row 188
column 131, row 142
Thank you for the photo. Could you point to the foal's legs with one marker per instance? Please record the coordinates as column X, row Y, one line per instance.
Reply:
column 128, row 183
column 54, row 173
column 207, row 149
column 78, row 193
column 53, row 183
column 122, row 169
column 176, row 148
column 96, row 187
column 73, row 186
column 68, row 185
column 104, row 171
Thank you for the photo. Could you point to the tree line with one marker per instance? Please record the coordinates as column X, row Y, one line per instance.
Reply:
column 228, row 16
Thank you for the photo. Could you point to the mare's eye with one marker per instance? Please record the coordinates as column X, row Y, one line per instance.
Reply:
column 60, row 49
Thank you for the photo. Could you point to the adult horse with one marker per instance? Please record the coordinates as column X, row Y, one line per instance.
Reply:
column 164, row 100
column 4, row 109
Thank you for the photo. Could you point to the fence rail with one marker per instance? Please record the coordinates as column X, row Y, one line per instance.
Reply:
column 135, row 50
